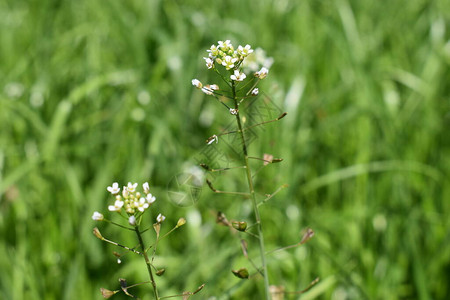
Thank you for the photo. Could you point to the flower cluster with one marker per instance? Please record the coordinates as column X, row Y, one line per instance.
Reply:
column 224, row 54
column 130, row 200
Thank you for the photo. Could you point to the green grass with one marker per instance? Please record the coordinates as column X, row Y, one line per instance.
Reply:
column 366, row 144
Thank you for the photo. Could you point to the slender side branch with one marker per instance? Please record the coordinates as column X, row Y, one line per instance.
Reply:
column 241, row 130
column 223, row 192
column 309, row 233
column 185, row 293
column 100, row 236
column 273, row 194
column 207, row 168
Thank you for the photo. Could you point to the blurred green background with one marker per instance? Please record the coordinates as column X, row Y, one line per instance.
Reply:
column 93, row 92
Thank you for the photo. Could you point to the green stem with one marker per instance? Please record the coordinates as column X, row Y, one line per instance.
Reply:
column 147, row 262
column 253, row 195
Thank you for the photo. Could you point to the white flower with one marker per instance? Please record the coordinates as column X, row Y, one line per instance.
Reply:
column 244, row 51
column 213, row 138
column 117, row 206
column 125, row 192
column 197, row 83
column 97, row 216
column 209, row 62
column 224, row 46
column 114, row 189
column 119, row 261
column 233, row 111
column 131, row 187
column 228, row 62
column 261, row 74
column 146, row 188
column 209, row 89
column 238, row 76
column 213, row 51
column 160, row 218
column 150, row 198
column 142, row 204
column 132, row 220
column 255, row 91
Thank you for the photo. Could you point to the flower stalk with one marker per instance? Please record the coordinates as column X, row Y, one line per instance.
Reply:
column 253, row 196
column 147, row 262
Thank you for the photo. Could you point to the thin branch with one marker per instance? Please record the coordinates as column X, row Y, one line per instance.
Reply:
column 185, row 293
column 207, row 168
column 270, row 196
column 122, row 246
column 223, row 78
column 252, row 126
column 307, row 235
column 223, row 192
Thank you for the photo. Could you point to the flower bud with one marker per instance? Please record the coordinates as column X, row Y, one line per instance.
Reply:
column 160, row 218
column 181, row 222
column 97, row 216
column 197, row 83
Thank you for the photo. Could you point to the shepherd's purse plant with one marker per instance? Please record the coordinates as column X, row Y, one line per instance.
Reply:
column 131, row 205
column 240, row 70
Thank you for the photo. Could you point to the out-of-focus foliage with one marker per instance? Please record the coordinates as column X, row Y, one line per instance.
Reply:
column 93, row 92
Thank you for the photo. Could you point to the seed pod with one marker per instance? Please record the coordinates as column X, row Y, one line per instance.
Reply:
column 242, row 273
column 241, row 226
column 97, row 233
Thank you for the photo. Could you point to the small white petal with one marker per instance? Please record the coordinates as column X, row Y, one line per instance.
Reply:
column 114, row 188
column 211, row 139
column 131, row 187
column 160, row 218
column 112, row 208
column 97, row 216
column 197, row 83
column 150, row 198
column 261, row 74
column 146, row 187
